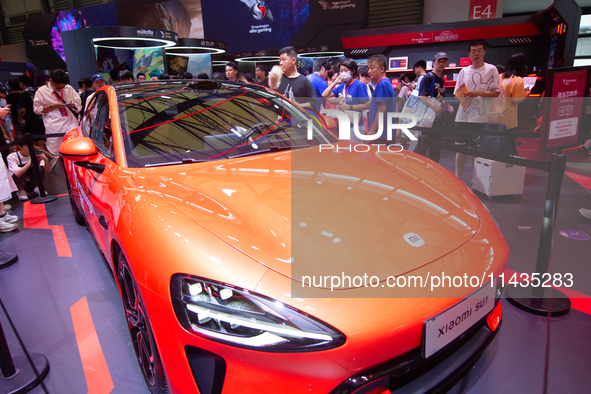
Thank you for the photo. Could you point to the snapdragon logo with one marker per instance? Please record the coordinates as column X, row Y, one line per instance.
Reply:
column 346, row 125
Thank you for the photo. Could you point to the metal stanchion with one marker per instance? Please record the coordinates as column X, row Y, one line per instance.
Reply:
column 44, row 198
column 537, row 299
column 18, row 374
column 7, row 259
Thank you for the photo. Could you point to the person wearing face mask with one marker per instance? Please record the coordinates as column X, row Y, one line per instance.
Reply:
column 58, row 104
column 348, row 92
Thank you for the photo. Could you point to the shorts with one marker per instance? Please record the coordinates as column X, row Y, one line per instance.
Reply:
column 467, row 134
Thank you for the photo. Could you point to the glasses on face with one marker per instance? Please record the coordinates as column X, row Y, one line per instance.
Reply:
column 476, row 51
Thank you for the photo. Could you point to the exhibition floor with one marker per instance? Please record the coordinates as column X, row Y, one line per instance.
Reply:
column 64, row 302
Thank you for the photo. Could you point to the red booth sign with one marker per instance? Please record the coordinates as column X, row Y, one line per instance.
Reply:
column 564, row 118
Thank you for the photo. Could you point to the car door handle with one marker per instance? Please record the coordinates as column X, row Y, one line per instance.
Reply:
column 103, row 221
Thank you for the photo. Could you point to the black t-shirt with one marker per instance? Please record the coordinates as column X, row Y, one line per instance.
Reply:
column 298, row 89
column 34, row 123
column 84, row 96
column 432, row 86
column 265, row 82
column 12, row 99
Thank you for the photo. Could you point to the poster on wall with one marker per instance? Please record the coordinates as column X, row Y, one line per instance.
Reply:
column 80, row 18
column 148, row 61
column 177, row 65
column 255, row 24
column 181, row 16
column 108, row 59
column 166, row 15
column 198, row 64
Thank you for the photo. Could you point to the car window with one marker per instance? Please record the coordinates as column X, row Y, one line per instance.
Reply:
column 100, row 130
column 89, row 114
column 173, row 123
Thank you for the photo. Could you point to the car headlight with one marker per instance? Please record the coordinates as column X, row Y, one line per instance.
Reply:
column 225, row 313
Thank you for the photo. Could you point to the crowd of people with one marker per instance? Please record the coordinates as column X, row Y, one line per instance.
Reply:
column 364, row 93
column 51, row 109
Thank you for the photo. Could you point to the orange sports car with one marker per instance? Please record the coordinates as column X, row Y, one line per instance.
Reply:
column 254, row 253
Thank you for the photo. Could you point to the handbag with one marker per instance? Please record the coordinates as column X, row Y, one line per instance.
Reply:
column 424, row 114
column 499, row 144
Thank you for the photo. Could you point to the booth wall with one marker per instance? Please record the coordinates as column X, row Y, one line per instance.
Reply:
column 16, row 53
column 457, row 50
column 437, row 11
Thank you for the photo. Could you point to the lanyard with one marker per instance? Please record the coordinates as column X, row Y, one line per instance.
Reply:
column 58, row 97
column 62, row 110
column 345, row 90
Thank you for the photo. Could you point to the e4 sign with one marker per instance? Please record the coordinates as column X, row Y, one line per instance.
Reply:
column 483, row 9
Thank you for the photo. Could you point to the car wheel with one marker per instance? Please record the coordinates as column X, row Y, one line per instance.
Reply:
column 78, row 216
column 140, row 330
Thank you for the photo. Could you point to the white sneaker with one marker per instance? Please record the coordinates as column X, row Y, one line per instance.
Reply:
column 22, row 195
column 585, row 212
column 7, row 207
column 7, row 227
column 37, row 192
column 10, row 218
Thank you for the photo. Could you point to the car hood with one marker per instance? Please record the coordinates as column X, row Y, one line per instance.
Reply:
column 308, row 210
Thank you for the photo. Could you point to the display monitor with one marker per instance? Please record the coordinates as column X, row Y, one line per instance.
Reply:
column 566, row 111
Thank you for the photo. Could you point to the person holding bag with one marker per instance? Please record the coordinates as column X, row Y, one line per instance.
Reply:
column 426, row 100
column 58, row 104
column 431, row 93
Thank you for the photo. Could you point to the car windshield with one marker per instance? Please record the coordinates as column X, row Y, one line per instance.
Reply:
column 180, row 122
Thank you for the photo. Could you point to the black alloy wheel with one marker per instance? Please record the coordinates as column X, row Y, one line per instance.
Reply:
column 139, row 328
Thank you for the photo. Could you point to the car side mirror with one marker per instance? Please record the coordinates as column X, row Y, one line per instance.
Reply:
column 78, row 149
column 331, row 123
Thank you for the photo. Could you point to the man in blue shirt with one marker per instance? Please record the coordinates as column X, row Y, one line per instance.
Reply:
column 384, row 96
column 318, row 78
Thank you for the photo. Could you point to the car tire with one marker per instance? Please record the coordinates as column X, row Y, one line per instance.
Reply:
column 78, row 216
column 138, row 324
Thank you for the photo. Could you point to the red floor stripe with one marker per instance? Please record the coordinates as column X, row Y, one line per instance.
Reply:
column 96, row 372
column 35, row 216
column 584, row 181
column 579, row 301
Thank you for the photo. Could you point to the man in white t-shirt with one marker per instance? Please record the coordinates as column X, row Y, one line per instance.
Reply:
column 476, row 86
column 58, row 104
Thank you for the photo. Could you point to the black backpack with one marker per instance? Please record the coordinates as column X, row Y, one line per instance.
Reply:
column 499, row 144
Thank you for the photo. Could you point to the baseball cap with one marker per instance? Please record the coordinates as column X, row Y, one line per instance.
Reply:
column 96, row 77
column 440, row 55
